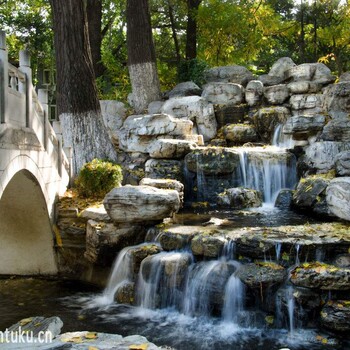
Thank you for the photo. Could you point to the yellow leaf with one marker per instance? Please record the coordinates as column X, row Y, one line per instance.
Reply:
column 92, row 348
column 25, row 320
column 324, row 341
column 91, row 335
column 138, row 347
column 319, row 338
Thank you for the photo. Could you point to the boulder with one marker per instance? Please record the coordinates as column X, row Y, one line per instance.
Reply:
column 139, row 252
column 178, row 237
column 207, row 245
column 261, row 275
column 342, row 164
column 321, row 276
column 276, row 94
column 213, row 161
column 125, row 294
column 155, row 107
column 338, row 197
column 223, row 93
column 337, row 99
column 267, row 119
column 113, row 114
column 335, row 315
column 310, row 195
column 284, row 199
column 231, row 74
column 164, row 169
column 299, row 87
column 141, row 204
column 230, row 113
column 304, row 126
column 239, row 198
column 306, row 104
column 196, row 109
column 337, row 130
column 281, row 67
column 187, row 88
column 169, row 148
column 344, row 77
column 97, row 213
column 317, row 72
column 240, row 133
column 342, row 260
column 269, row 80
column 104, row 241
column 320, row 156
column 254, row 92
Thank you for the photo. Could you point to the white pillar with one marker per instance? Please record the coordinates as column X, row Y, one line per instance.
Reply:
column 24, row 66
column 4, row 79
column 43, row 98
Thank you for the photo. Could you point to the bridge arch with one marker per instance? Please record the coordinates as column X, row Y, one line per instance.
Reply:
column 26, row 238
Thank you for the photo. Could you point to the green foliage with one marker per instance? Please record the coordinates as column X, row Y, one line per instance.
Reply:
column 192, row 70
column 97, row 178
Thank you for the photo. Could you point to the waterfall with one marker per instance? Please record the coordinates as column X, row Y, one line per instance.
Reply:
column 268, row 170
column 290, row 308
column 280, row 139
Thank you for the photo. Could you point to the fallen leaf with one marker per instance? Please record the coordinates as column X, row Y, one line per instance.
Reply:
column 25, row 320
column 91, row 335
column 138, row 347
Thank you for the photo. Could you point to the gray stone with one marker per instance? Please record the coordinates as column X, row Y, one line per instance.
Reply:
column 344, row 77
column 254, row 92
column 284, row 199
column 114, row 115
column 316, row 72
column 164, row 169
column 281, row 67
column 338, row 197
column 141, row 204
column 168, row 148
column 267, row 119
column 207, row 245
column 196, row 109
column 321, row 276
column 231, row 74
column 97, row 213
column 239, row 198
column 307, row 104
column 342, row 260
column 240, row 133
column 188, row 88
column 304, row 126
column 213, row 161
column 337, row 130
column 276, row 94
column 125, row 294
column 342, row 163
column 269, row 80
column 229, row 114
column 177, row 237
column 337, row 99
column 223, row 93
column 335, row 315
column 299, row 87
column 155, row 107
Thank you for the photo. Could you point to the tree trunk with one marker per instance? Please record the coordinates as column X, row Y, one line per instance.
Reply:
column 141, row 55
column 94, row 15
column 77, row 102
column 191, row 31
column 173, row 31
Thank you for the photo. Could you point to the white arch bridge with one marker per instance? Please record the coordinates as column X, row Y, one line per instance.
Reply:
column 34, row 171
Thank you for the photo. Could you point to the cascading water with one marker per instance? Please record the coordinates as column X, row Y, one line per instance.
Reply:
column 280, row 139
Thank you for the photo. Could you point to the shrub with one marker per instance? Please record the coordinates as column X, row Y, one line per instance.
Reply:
column 97, row 178
column 192, row 70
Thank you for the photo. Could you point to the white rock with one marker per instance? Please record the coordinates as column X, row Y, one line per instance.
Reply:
column 338, row 197
column 168, row 148
column 223, row 93
column 231, row 74
column 155, row 107
column 276, row 94
column 187, row 88
column 308, row 104
column 281, row 67
column 254, row 92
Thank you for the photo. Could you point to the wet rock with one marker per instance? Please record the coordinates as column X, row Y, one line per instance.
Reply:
column 232, row 74
column 335, row 315
column 342, row 260
column 141, row 204
column 307, row 104
column 104, row 240
column 321, row 276
column 320, row 156
column 178, row 237
column 212, row 161
column 276, row 94
column 284, row 199
column 239, row 198
column 167, row 148
column 164, row 169
column 254, row 92
column 267, row 119
column 141, row 252
column 261, row 275
column 311, row 194
column 187, row 88
column 338, row 197
column 304, row 126
column 38, row 325
column 342, row 163
column 195, row 109
column 114, row 115
column 337, row 99
column 207, row 245
column 240, row 133
column 125, row 294
column 337, row 130
column 223, row 93
column 230, row 113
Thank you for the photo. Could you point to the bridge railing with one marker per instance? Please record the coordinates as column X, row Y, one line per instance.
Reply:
column 22, row 107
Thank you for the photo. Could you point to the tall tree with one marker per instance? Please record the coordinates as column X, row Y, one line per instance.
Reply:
column 77, row 102
column 141, row 55
column 191, row 31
